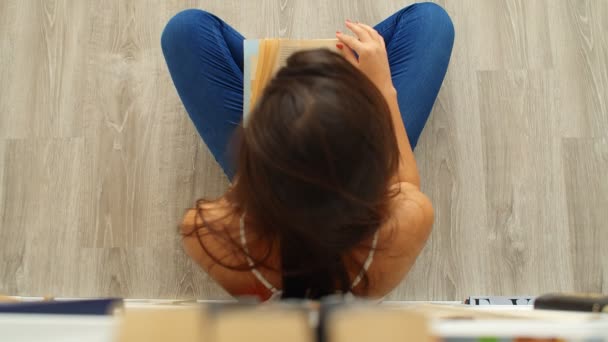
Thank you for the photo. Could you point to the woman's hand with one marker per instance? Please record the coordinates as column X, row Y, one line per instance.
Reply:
column 369, row 46
column 373, row 62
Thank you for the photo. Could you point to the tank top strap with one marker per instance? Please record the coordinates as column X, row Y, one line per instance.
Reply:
column 276, row 293
column 250, row 262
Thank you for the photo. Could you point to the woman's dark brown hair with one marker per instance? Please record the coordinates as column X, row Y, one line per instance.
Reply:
column 313, row 167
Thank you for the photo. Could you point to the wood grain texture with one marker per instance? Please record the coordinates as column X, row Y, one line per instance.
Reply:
column 41, row 216
column 580, row 49
column 514, row 34
column 147, row 145
column 585, row 164
column 99, row 159
column 525, row 200
column 42, row 74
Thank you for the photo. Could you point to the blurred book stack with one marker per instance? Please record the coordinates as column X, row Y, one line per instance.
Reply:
column 334, row 319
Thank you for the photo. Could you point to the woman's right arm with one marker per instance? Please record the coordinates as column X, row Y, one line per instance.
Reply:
column 373, row 62
column 408, row 170
column 414, row 212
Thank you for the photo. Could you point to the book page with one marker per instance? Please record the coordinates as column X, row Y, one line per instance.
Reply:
column 266, row 67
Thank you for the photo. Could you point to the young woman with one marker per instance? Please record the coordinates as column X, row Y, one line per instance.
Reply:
column 325, row 194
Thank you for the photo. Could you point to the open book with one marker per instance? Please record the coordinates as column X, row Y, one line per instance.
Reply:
column 262, row 59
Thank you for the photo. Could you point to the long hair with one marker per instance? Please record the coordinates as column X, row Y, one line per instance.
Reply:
column 313, row 167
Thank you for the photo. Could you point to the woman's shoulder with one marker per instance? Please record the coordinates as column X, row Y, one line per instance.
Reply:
column 412, row 210
column 206, row 230
column 215, row 211
column 209, row 235
column 214, row 244
column 401, row 239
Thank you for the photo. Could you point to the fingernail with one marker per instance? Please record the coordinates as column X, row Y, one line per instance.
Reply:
column 339, row 46
column 338, row 32
column 348, row 20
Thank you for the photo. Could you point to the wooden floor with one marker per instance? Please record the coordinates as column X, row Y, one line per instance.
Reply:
column 98, row 159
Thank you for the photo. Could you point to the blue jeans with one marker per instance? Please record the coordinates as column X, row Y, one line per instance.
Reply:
column 205, row 58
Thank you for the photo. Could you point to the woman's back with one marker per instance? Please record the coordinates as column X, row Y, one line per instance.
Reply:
column 400, row 240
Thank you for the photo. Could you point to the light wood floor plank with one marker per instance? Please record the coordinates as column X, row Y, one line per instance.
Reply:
column 140, row 188
column 514, row 34
column 585, row 165
column 41, row 216
column 12, row 238
column 42, row 74
column 525, row 201
column 580, row 49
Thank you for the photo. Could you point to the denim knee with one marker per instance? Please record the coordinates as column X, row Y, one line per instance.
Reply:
column 179, row 31
column 436, row 19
